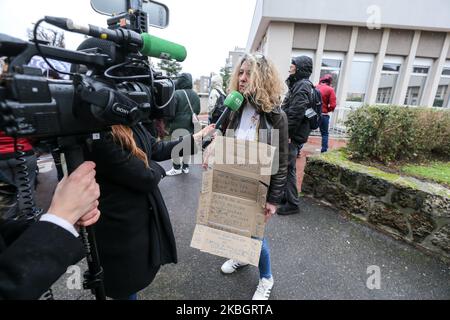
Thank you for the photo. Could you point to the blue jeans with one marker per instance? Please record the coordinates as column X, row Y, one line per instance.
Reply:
column 324, row 124
column 264, row 261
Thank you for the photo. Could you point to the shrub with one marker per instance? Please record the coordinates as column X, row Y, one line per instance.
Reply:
column 395, row 133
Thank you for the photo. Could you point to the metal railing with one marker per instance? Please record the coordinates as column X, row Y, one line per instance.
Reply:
column 337, row 126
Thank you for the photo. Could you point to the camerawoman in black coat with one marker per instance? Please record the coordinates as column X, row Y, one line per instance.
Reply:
column 134, row 234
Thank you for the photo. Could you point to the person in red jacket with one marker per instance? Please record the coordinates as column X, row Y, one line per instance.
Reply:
column 329, row 104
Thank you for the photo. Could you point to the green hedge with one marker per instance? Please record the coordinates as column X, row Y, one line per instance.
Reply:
column 395, row 133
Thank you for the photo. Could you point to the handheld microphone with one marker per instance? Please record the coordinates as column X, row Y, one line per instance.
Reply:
column 144, row 43
column 232, row 103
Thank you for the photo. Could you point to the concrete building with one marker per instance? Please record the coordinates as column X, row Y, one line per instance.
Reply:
column 234, row 58
column 204, row 84
column 378, row 51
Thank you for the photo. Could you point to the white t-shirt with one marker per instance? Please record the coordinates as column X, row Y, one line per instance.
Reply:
column 249, row 124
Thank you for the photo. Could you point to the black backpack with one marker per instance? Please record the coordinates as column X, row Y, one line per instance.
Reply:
column 314, row 112
column 219, row 108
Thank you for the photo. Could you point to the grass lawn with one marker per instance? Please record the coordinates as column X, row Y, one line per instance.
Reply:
column 436, row 171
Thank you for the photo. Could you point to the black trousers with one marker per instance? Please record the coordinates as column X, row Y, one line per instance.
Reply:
column 291, row 194
column 177, row 164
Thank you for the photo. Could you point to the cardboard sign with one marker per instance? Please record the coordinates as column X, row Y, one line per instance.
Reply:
column 226, row 244
column 230, row 216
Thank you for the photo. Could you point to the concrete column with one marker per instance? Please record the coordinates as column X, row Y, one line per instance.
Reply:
column 346, row 71
column 280, row 38
column 375, row 75
column 319, row 54
column 405, row 73
column 434, row 77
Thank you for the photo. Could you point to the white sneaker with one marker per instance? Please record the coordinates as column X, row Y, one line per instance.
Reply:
column 263, row 289
column 173, row 172
column 231, row 266
column 186, row 170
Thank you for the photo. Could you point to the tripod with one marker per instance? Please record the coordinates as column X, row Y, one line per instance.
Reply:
column 73, row 152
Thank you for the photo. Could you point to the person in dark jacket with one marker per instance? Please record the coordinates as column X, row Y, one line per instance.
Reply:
column 328, row 105
column 33, row 257
column 134, row 234
column 295, row 105
column 257, row 79
column 187, row 102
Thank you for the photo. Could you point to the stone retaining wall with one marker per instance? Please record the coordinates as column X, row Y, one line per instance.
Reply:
column 414, row 211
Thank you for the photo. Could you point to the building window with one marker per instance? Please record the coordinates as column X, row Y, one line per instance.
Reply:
column 417, row 81
column 332, row 64
column 388, row 79
column 442, row 98
column 359, row 79
column 384, row 95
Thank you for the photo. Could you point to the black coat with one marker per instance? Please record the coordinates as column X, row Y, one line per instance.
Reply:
column 295, row 105
column 134, row 232
column 298, row 100
column 32, row 260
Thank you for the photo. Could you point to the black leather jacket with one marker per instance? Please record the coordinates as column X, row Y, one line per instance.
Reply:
column 297, row 100
column 274, row 120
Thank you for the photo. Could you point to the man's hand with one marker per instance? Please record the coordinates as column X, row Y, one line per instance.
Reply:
column 269, row 211
column 89, row 218
column 75, row 198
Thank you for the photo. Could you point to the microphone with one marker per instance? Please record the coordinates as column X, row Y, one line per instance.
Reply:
column 232, row 103
column 162, row 49
column 144, row 43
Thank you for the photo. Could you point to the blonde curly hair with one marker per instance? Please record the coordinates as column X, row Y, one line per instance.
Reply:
column 265, row 88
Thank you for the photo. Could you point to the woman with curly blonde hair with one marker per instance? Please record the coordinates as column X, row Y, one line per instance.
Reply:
column 257, row 79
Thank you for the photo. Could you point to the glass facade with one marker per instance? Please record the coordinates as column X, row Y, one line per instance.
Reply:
column 359, row 78
column 333, row 67
column 388, row 82
column 416, row 85
column 442, row 98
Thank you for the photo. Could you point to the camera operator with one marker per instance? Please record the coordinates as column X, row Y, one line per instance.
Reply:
column 134, row 235
column 33, row 257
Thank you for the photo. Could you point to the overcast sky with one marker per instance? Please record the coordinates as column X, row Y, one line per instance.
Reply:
column 209, row 29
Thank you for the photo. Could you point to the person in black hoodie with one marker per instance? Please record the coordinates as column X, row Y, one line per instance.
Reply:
column 134, row 234
column 295, row 105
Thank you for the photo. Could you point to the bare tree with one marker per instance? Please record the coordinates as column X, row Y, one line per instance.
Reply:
column 52, row 37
